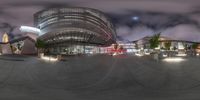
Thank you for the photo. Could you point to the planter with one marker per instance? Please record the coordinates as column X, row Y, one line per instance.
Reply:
column 40, row 55
column 59, row 57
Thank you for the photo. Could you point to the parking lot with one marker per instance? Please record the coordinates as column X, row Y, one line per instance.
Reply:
column 99, row 77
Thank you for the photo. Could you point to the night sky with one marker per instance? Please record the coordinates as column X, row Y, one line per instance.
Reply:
column 133, row 19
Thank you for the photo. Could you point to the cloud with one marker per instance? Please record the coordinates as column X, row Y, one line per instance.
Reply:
column 172, row 17
column 175, row 25
column 6, row 28
column 123, row 31
column 183, row 32
column 41, row 4
column 140, row 32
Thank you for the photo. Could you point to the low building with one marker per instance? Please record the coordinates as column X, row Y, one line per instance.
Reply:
column 23, row 43
column 5, row 48
column 179, row 46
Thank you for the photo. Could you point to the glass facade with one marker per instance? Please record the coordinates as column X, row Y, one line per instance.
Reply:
column 77, row 49
column 71, row 30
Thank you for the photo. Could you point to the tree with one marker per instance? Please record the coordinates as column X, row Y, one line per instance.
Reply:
column 0, row 49
column 40, row 44
column 174, row 48
column 154, row 41
column 115, row 46
column 11, row 47
column 167, row 45
column 136, row 46
column 194, row 46
column 186, row 47
column 18, row 46
column 162, row 48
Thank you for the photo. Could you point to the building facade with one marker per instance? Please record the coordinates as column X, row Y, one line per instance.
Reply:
column 74, row 30
column 176, row 46
column 23, row 43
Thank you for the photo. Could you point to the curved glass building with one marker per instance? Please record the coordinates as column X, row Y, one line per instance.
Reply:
column 74, row 30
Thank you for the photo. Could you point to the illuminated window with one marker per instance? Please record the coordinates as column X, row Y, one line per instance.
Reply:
column 5, row 38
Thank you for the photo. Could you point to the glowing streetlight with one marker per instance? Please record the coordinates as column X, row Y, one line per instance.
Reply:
column 174, row 59
column 136, row 18
column 51, row 59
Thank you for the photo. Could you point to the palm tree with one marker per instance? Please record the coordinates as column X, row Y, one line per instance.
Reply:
column 154, row 41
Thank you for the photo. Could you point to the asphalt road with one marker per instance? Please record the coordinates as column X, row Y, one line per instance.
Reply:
column 98, row 77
